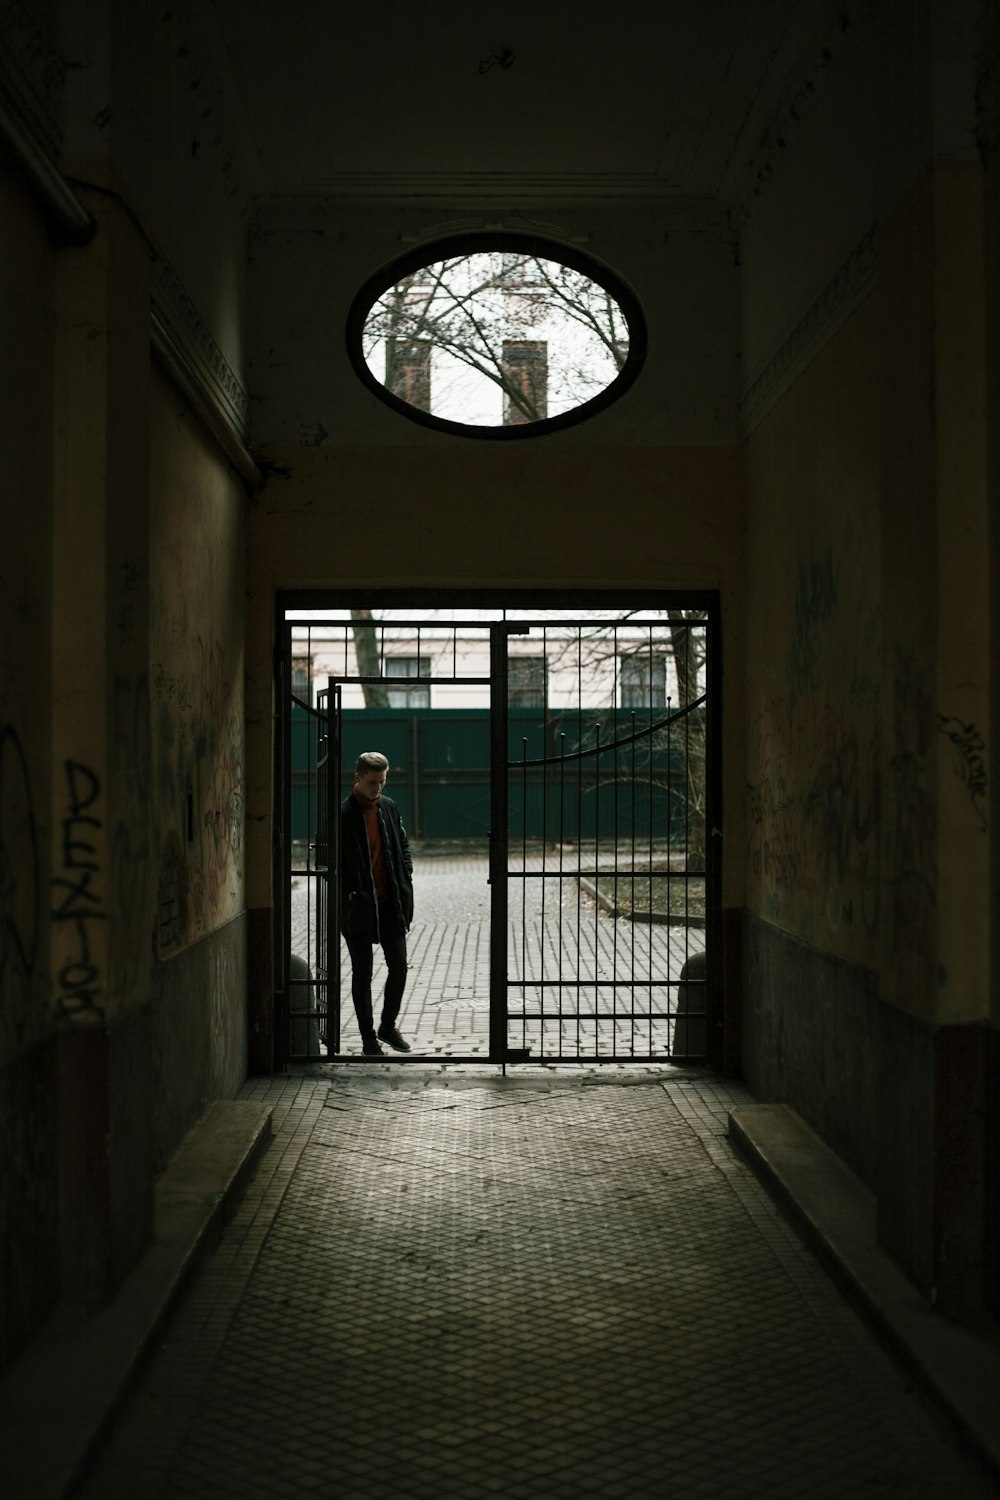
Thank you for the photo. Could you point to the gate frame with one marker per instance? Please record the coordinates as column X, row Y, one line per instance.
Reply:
column 566, row 602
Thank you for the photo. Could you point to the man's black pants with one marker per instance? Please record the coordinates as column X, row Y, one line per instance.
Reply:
column 392, row 938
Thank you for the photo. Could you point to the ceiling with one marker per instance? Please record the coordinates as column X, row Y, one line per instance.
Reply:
column 389, row 98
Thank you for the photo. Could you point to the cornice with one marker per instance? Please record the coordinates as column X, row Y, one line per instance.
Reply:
column 174, row 358
column 177, row 313
column 185, row 349
column 571, row 219
column 848, row 288
column 490, row 187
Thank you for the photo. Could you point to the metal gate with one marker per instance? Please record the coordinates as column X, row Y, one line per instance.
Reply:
column 601, row 871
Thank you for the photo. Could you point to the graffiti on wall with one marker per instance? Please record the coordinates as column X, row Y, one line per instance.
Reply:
column 814, row 801
column 815, row 602
column 813, row 810
column 78, row 900
column 970, row 755
column 171, row 896
column 130, row 838
column 201, row 734
column 19, row 891
column 841, row 810
column 218, row 773
column 912, row 832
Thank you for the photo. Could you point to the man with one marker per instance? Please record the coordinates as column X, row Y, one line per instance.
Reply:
column 376, row 885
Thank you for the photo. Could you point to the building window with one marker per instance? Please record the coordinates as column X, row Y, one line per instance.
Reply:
column 408, row 371
column 526, row 682
column 525, row 369
column 302, row 678
column 642, row 680
column 408, row 666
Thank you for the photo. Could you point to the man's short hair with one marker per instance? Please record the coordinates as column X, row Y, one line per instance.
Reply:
column 370, row 760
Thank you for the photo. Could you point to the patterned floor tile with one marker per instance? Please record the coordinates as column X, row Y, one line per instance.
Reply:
column 532, row 1287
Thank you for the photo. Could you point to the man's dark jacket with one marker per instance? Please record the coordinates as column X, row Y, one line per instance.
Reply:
column 358, row 900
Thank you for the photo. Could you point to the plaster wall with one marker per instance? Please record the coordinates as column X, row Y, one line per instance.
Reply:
column 121, row 605
column 991, row 552
column 26, row 420
column 28, row 1084
column 814, row 653
column 855, row 136
column 814, row 746
column 196, row 654
column 145, row 120
column 867, row 947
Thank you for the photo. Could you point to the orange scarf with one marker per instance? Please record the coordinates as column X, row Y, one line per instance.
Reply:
column 376, row 853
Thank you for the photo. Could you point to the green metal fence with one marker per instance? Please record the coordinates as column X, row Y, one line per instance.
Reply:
column 439, row 772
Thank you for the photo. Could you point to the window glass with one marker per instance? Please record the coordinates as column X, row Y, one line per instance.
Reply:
column 526, row 682
column 302, row 678
column 511, row 338
column 408, row 666
column 643, row 681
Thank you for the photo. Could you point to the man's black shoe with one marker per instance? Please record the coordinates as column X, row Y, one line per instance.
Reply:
column 372, row 1048
column 391, row 1035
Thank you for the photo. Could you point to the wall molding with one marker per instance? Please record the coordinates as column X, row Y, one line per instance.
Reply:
column 176, row 312
column 186, row 351
column 208, row 397
column 456, row 188
column 848, row 288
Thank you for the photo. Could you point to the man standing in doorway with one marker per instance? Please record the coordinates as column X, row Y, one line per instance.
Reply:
column 376, row 885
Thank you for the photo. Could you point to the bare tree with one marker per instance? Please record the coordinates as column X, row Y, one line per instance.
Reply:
column 476, row 309
column 369, row 663
column 689, row 648
column 678, row 636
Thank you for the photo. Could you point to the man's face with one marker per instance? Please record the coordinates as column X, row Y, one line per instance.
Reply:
column 370, row 784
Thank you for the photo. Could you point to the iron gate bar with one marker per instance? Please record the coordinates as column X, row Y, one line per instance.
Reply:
column 601, row 619
column 323, row 857
column 651, row 729
column 499, row 850
column 408, row 682
column 569, row 984
column 596, row 1015
column 537, row 982
column 333, row 905
column 524, row 888
column 597, row 845
column 281, row 874
column 572, row 874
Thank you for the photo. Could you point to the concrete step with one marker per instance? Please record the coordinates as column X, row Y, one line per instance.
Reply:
column 957, row 1367
column 58, row 1402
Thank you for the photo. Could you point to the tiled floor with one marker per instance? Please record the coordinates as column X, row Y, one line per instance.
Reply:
column 449, row 1284
column 554, row 930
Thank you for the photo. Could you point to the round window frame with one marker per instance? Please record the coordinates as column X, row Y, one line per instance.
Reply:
column 485, row 241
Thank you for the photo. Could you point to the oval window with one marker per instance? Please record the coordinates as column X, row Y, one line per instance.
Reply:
column 496, row 336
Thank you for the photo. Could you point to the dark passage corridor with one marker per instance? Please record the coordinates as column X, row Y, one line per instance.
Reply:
column 446, row 1284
